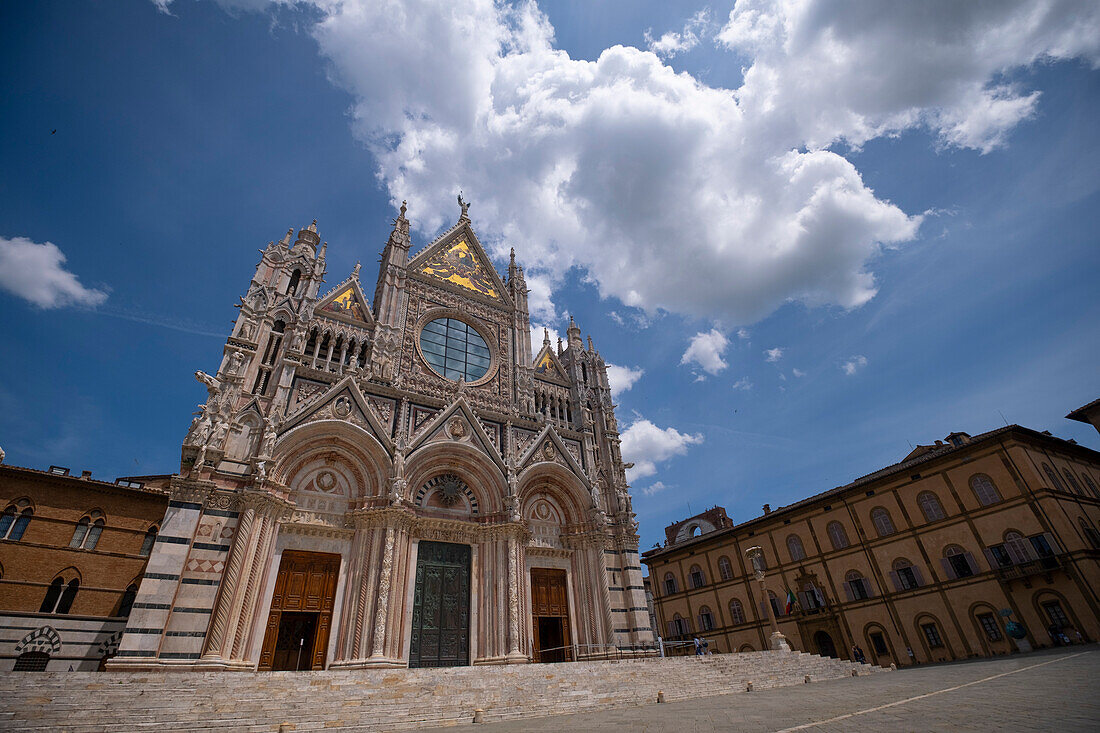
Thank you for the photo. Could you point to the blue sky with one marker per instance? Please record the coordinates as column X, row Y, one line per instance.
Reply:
column 798, row 274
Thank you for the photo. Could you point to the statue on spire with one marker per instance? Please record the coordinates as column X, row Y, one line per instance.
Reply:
column 465, row 206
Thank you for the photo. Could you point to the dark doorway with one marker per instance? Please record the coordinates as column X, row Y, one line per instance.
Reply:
column 294, row 644
column 441, row 606
column 550, row 615
column 551, row 636
column 825, row 645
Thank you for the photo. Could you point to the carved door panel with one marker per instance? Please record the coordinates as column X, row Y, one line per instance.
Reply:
column 550, row 615
column 440, row 635
column 306, row 584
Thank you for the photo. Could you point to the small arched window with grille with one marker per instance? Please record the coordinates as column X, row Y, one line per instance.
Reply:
column 671, row 585
column 737, row 612
column 794, row 547
column 31, row 662
column 984, row 489
column 1072, row 481
column 60, row 594
column 1092, row 486
column 884, row 525
column 837, row 535
column 725, row 569
column 1052, row 475
column 698, row 580
column 930, row 506
column 14, row 520
column 1090, row 532
column 87, row 531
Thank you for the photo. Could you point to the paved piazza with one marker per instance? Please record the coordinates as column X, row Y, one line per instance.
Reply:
column 1052, row 690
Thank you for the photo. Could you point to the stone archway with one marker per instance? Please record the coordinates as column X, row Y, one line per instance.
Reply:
column 824, row 644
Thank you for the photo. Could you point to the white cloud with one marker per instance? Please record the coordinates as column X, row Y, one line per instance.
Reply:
column 645, row 445
column 743, row 334
column 672, row 43
column 539, row 302
column 551, row 149
column 706, row 350
column 798, row 372
column 622, row 378
column 538, row 335
column 36, row 273
column 827, row 71
column 743, row 384
column 773, row 355
column 854, row 364
column 654, row 488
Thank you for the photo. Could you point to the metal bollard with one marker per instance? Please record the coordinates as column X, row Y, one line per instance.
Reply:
column 479, row 715
column 660, row 696
column 748, row 687
column 806, row 679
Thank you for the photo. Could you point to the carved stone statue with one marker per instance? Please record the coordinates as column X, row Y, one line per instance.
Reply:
column 213, row 384
column 297, row 341
column 247, row 329
column 261, row 470
column 399, row 456
column 235, row 361
column 267, row 444
column 595, row 493
column 465, row 206
column 200, row 429
column 397, row 490
column 200, row 459
column 511, row 503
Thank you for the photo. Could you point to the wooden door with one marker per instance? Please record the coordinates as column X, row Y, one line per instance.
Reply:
column 306, row 584
column 549, row 609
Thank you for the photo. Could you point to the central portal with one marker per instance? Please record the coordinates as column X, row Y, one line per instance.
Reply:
column 550, row 615
column 441, row 606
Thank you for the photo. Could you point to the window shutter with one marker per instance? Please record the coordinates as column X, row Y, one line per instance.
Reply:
column 896, row 580
column 848, row 591
column 804, row 600
column 972, row 563
column 1054, row 546
column 990, row 558
column 869, row 587
column 950, row 571
column 917, row 576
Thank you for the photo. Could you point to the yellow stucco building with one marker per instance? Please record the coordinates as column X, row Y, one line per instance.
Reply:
column 925, row 560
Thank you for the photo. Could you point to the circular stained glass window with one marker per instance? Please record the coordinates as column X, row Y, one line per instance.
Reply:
column 454, row 350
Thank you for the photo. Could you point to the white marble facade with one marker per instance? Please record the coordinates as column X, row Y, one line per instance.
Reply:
column 336, row 426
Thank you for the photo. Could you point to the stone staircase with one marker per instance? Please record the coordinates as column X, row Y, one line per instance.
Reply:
column 382, row 700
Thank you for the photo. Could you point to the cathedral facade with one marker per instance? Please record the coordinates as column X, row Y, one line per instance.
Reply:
column 393, row 482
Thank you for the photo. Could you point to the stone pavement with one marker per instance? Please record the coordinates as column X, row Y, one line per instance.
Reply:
column 1050, row 690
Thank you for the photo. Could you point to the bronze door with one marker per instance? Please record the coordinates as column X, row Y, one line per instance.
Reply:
column 550, row 615
column 441, row 606
column 305, row 591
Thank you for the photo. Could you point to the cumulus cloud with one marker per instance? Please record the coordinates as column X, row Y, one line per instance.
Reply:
column 538, row 336
column 706, row 350
column 654, row 488
column 601, row 164
column 645, row 445
column 773, row 355
column 743, row 334
column 36, row 272
column 854, row 364
column 622, row 378
column 798, row 372
column 743, row 384
column 672, row 43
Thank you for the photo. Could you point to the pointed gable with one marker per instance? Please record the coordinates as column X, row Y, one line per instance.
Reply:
column 346, row 302
column 343, row 401
column 548, row 447
column 458, row 423
column 547, row 366
column 457, row 258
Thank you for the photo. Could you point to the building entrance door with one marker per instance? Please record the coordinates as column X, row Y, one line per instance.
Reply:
column 300, row 619
column 825, row 645
column 440, row 635
column 550, row 615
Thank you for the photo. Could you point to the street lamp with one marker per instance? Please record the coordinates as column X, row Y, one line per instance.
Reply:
column 756, row 557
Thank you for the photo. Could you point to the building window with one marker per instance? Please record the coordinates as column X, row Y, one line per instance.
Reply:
column 1072, row 481
column 858, row 587
column 292, row 286
column 989, row 626
column 14, row 520
column 706, row 621
column 60, row 596
column 1017, row 548
column 905, row 576
column 794, row 547
column 984, row 489
column 737, row 612
column 678, row 626
column 1044, row 548
column 126, row 604
column 957, row 564
column 1090, row 484
column 1055, row 482
column 148, row 542
column 837, row 535
column 883, row 524
column 931, row 507
column 696, row 575
column 878, row 643
column 777, row 609
column 1056, row 615
column 454, row 350
column 724, row 568
column 1090, row 533
column 670, row 584
column 88, row 529
column 31, row 662
column 932, row 635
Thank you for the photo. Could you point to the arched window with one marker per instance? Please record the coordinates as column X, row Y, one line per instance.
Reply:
column 695, row 531
column 984, row 489
column 148, row 542
column 31, row 662
column 60, row 595
column 88, row 529
column 14, row 520
column 670, row 584
column 905, row 575
column 678, row 626
column 777, row 608
column 856, row 586
column 292, row 286
column 837, row 535
column 706, row 620
column 696, row 575
column 930, row 506
column 1090, row 484
column 53, row 593
column 1055, row 482
column 1018, row 549
column 1072, row 480
column 1090, row 532
column 794, row 547
column 126, row 603
column 883, row 524
column 737, row 612
column 958, row 563
column 724, row 568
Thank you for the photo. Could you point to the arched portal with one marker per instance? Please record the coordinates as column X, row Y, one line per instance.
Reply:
column 824, row 644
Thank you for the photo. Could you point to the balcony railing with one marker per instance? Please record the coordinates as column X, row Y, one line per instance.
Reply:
column 1027, row 569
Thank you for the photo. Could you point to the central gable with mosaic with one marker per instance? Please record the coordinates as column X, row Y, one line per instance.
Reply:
column 346, row 304
column 459, row 264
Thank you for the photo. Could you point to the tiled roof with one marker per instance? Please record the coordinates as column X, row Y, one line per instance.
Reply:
column 1079, row 413
column 97, row 483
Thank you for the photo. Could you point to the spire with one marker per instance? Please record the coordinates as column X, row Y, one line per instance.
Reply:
column 313, row 227
column 308, row 239
column 286, row 239
column 321, row 254
column 355, row 272
column 546, row 337
column 574, row 334
column 590, row 343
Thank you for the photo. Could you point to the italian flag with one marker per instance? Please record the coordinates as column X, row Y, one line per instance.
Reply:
column 790, row 603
